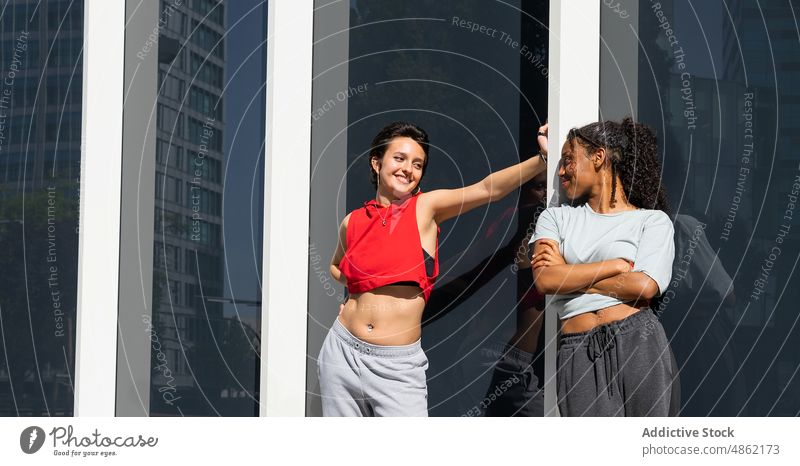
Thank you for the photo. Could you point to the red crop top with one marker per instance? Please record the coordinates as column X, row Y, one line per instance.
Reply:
column 383, row 247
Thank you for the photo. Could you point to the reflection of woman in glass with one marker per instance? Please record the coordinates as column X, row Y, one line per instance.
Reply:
column 513, row 389
column 371, row 362
column 606, row 255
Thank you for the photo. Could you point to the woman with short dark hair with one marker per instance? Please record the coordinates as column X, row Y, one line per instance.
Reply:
column 372, row 363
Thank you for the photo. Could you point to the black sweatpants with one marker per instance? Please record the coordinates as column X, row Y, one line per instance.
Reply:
column 625, row 368
column 514, row 390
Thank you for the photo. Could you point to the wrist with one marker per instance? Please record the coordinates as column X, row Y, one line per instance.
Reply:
column 623, row 265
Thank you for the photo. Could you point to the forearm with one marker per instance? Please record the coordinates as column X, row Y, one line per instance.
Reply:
column 625, row 286
column 502, row 182
column 572, row 278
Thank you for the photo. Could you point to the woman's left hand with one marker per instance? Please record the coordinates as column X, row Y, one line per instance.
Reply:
column 548, row 256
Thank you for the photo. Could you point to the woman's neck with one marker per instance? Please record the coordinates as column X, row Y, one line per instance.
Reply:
column 385, row 199
column 600, row 202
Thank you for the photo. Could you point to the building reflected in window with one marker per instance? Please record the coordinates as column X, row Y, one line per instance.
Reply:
column 208, row 216
column 41, row 78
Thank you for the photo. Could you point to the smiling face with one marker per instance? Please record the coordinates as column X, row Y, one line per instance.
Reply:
column 577, row 172
column 400, row 169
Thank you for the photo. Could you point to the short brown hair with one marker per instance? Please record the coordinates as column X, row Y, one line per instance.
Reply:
column 387, row 134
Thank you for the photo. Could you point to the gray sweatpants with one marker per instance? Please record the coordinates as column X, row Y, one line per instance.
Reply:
column 625, row 368
column 357, row 378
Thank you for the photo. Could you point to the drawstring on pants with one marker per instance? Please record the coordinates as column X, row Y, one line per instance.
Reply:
column 600, row 342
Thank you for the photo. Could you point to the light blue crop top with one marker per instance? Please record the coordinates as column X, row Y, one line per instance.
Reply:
column 643, row 236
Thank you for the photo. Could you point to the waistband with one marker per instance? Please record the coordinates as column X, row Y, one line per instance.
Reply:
column 374, row 350
column 512, row 353
column 625, row 325
column 601, row 343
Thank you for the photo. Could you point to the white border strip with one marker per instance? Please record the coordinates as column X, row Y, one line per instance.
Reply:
column 573, row 99
column 98, row 250
column 286, row 209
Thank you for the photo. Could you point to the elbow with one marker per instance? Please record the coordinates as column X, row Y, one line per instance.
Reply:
column 336, row 273
column 541, row 283
column 651, row 293
column 492, row 191
column 649, row 288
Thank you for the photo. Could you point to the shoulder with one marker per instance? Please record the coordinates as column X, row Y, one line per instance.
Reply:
column 345, row 223
column 565, row 208
column 551, row 223
column 426, row 198
column 656, row 217
column 346, row 220
column 657, row 220
column 561, row 212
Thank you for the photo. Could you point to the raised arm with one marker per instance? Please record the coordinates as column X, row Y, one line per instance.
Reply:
column 448, row 203
column 341, row 246
column 552, row 275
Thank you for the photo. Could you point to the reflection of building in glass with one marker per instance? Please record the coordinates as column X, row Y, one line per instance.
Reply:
column 41, row 72
column 733, row 172
column 188, row 249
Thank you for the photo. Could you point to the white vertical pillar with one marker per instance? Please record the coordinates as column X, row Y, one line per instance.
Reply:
column 573, row 99
column 98, row 250
column 286, row 205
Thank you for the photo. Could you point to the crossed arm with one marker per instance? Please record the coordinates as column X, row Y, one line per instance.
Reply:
column 614, row 278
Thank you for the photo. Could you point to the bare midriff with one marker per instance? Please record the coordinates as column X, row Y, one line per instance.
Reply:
column 389, row 316
column 589, row 320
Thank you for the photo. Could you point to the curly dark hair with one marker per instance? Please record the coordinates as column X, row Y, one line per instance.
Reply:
column 633, row 154
column 385, row 136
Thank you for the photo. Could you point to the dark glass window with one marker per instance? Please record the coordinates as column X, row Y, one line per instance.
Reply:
column 717, row 82
column 204, row 70
column 213, row 10
column 480, row 95
column 40, row 137
column 207, row 38
column 206, row 282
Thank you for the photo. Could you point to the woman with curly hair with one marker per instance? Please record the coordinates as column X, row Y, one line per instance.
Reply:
column 371, row 362
column 607, row 255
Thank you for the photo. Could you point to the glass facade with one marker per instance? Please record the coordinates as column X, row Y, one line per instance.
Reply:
column 473, row 75
column 716, row 81
column 41, row 78
column 713, row 79
column 208, row 212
